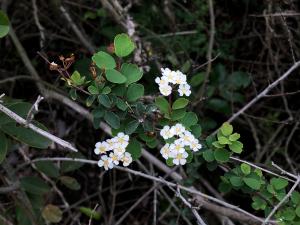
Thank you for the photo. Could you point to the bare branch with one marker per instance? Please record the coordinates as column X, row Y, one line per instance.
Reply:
column 36, row 129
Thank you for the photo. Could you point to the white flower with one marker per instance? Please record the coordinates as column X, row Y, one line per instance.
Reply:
column 161, row 82
column 101, row 148
column 126, row 159
column 119, row 150
column 122, row 139
column 165, row 151
column 180, row 78
column 115, row 158
column 105, row 162
column 165, row 71
column 184, row 89
column 171, row 77
column 110, row 143
column 176, row 148
column 178, row 129
column 195, row 145
column 166, row 132
column 187, row 137
column 180, row 158
column 165, row 90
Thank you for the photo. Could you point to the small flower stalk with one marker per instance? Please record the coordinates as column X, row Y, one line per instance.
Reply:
column 113, row 151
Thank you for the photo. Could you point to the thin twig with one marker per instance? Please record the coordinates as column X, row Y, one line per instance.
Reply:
column 38, row 24
column 34, row 109
column 282, row 201
column 263, row 93
column 228, row 209
column 188, row 204
column 36, row 129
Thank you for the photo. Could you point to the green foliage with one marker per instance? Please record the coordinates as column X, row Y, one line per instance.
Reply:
column 4, row 24
column 104, row 60
column 48, row 168
column 115, row 76
column 180, row 103
column 134, row 92
column 131, row 72
column 34, row 185
column 70, row 182
column 123, row 45
column 90, row 213
column 134, row 148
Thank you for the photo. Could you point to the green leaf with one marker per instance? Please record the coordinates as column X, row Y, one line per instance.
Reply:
column 112, row 119
column 104, row 60
column 196, row 130
column 68, row 166
column 162, row 104
column 77, row 79
column 258, row 203
column 48, row 168
column 222, row 155
column 223, row 140
column 131, row 72
column 98, row 112
column 73, row 94
column 178, row 114
column 180, row 103
column 224, row 187
column 93, row 90
column 189, row 119
column 34, row 185
column 197, row 79
column 169, row 162
column 3, row 146
column 106, row 90
column 236, row 181
column 217, row 144
column 90, row 213
column 246, row 169
column 134, row 92
column 27, row 135
column 236, row 147
column 115, row 76
column 208, row 155
column 288, row 214
column 70, row 182
column 90, row 100
column 4, row 24
column 131, row 127
column 121, row 104
column 104, row 100
column 123, row 45
column 134, row 148
column 297, row 211
column 226, row 129
column 252, row 183
column 279, row 183
column 234, row 137
column 295, row 197
column 190, row 156
column 52, row 214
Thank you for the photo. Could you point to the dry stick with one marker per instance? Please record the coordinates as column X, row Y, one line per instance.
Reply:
column 36, row 129
column 264, row 92
column 210, row 48
column 284, row 171
column 34, row 109
column 188, row 204
column 263, row 169
column 229, row 209
column 38, row 24
column 76, row 30
column 282, row 201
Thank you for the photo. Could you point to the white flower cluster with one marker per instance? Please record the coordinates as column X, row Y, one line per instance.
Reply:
column 177, row 150
column 113, row 151
column 171, row 78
